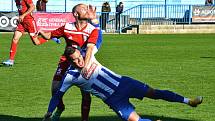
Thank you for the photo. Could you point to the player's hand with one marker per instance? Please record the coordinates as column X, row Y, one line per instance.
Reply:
column 92, row 12
column 84, row 71
column 21, row 18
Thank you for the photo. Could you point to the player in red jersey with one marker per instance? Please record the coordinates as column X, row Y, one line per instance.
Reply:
column 27, row 23
column 78, row 34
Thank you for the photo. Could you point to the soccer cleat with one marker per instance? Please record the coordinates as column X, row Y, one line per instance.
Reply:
column 58, row 41
column 8, row 62
column 195, row 102
column 47, row 117
column 57, row 114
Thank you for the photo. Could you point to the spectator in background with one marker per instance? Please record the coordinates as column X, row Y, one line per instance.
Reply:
column 119, row 10
column 105, row 14
column 208, row 2
column 41, row 5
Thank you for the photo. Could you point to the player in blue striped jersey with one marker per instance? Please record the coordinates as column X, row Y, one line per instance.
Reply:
column 115, row 90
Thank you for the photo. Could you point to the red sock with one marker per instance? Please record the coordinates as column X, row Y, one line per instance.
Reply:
column 13, row 50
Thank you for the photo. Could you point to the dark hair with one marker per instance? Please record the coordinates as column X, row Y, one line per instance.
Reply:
column 68, row 51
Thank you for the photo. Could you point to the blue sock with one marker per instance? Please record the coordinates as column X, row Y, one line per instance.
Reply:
column 168, row 96
column 55, row 101
column 140, row 119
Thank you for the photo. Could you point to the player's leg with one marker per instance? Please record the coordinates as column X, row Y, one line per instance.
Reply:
column 140, row 90
column 85, row 105
column 17, row 35
column 66, row 83
column 172, row 97
column 30, row 26
column 57, row 79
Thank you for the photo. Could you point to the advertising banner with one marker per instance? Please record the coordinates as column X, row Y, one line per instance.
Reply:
column 8, row 21
column 203, row 14
column 44, row 21
column 52, row 21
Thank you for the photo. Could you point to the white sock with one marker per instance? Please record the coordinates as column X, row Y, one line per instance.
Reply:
column 186, row 100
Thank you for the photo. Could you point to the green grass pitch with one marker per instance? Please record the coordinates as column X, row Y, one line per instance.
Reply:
column 181, row 63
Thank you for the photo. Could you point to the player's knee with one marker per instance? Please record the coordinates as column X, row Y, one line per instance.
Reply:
column 35, row 40
column 15, row 40
column 133, row 117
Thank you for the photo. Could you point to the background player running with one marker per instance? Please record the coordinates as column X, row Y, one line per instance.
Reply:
column 27, row 23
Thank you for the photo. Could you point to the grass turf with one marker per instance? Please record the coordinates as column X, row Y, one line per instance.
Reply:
column 181, row 63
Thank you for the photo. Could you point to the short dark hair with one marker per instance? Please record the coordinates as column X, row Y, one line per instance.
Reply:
column 68, row 51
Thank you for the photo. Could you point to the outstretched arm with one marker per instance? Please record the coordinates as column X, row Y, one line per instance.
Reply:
column 56, row 33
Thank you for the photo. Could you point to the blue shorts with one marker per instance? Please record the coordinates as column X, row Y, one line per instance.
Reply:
column 119, row 100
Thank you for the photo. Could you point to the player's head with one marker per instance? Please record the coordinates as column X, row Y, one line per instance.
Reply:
column 68, row 52
column 80, row 11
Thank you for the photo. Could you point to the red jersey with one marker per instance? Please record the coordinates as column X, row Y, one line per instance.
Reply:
column 76, row 37
column 23, row 6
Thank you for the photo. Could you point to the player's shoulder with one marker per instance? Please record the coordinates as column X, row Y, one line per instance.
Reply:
column 90, row 28
column 28, row 1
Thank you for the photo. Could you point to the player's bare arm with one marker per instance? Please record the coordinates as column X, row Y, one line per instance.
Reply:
column 87, row 59
column 29, row 11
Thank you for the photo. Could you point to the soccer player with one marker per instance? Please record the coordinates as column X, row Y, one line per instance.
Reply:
column 78, row 34
column 115, row 90
column 27, row 23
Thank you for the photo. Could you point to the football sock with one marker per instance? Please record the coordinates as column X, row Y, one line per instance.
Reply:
column 61, row 105
column 168, row 96
column 85, row 109
column 55, row 101
column 13, row 50
column 186, row 100
column 140, row 119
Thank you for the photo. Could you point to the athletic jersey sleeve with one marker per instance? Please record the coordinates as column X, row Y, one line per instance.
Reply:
column 93, row 36
column 99, row 40
column 58, row 32
column 29, row 1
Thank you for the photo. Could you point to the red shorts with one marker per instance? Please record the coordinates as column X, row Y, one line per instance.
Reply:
column 28, row 25
column 63, row 65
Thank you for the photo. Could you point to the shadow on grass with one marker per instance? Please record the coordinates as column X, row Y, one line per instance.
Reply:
column 208, row 57
column 92, row 118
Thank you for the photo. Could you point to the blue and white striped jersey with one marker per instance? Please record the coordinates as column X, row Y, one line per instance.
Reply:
column 102, row 83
